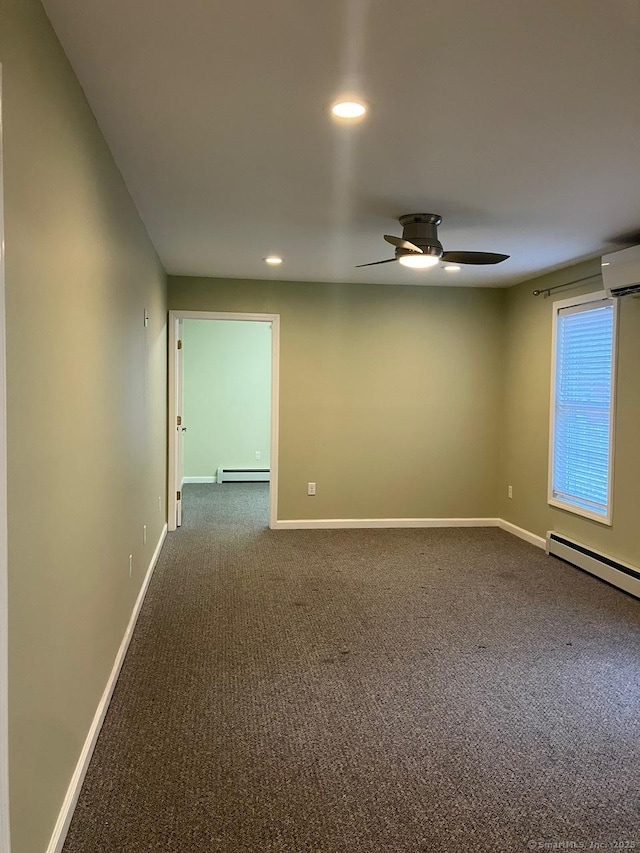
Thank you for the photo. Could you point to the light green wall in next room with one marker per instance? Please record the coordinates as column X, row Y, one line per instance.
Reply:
column 226, row 394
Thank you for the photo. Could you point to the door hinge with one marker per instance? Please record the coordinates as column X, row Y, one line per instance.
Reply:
column 178, row 496
column 179, row 419
column 179, row 344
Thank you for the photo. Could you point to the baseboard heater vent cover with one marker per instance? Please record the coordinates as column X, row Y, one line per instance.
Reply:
column 243, row 475
column 613, row 571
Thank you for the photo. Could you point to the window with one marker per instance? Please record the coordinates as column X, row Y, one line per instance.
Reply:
column 582, row 391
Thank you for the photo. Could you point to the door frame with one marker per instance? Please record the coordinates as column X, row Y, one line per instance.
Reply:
column 174, row 318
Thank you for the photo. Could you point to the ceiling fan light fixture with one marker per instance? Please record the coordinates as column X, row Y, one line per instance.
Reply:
column 348, row 109
column 418, row 262
column 420, row 248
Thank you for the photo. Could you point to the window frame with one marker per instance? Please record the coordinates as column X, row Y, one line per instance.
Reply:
column 595, row 297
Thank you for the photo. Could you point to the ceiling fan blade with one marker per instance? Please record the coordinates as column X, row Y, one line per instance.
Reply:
column 473, row 257
column 399, row 243
column 390, row 261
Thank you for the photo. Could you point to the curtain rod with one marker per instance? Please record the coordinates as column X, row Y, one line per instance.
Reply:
column 549, row 290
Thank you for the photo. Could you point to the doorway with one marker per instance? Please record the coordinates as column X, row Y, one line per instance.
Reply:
column 178, row 417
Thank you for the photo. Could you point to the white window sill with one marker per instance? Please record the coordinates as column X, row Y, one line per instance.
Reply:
column 578, row 510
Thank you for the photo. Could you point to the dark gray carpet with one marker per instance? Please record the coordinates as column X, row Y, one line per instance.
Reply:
column 361, row 691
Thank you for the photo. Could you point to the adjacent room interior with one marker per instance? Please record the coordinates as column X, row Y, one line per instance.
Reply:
column 370, row 649
column 225, row 427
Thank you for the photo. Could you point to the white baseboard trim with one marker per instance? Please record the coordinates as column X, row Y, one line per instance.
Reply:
column 529, row 537
column 199, row 480
column 345, row 523
column 340, row 523
column 73, row 792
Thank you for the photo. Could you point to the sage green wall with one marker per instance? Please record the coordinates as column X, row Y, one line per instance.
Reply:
column 389, row 395
column 226, row 395
column 527, row 389
column 86, row 414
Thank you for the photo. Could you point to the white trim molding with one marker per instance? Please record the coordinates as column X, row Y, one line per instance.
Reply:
column 371, row 523
column 175, row 316
column 521, row 533
column 577, row 302
column 199, row 480
column 61, row 828
column 344, row 523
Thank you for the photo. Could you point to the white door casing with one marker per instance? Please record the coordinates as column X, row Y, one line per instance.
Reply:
column 174, row 509
column 179, row 424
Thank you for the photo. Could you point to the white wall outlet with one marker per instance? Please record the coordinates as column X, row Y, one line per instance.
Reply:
column 311, row 488
column 510, row 492
column 130, row 564
column 144, row 534
column 258, row 454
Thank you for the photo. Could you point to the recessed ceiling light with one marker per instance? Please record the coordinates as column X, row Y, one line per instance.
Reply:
column 273, row 260
column 418, row 262
column 452, row 268
column 348, row 109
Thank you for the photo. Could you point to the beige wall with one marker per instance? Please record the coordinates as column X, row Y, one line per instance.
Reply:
column 86, row 423
column 388, row 395
column 525, row 448
column 397, row 401
column 226, row 395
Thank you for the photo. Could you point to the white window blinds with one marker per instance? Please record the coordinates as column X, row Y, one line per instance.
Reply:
column 582, row 425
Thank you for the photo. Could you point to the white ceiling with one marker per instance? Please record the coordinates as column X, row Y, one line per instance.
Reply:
column 518, row 121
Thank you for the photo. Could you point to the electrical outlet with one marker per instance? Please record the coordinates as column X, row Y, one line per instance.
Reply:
column 311, row 489
column 130, row 564
column 258, row 454
column 144, row 534
column 510, row 492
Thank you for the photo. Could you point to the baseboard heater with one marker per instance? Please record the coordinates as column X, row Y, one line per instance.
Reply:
column 243, row 475
column 615, row 572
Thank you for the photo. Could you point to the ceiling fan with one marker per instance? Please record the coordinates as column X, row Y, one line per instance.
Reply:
column 419, row 246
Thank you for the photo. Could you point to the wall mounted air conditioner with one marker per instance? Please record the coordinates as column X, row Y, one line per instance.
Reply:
column 621, row 272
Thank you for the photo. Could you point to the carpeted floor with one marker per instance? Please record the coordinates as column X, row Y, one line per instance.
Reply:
column 366, row 691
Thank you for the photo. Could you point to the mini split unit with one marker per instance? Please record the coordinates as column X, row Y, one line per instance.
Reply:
column 621, row 272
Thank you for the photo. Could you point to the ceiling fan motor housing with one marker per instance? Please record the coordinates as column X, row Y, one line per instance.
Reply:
column 421, row 229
